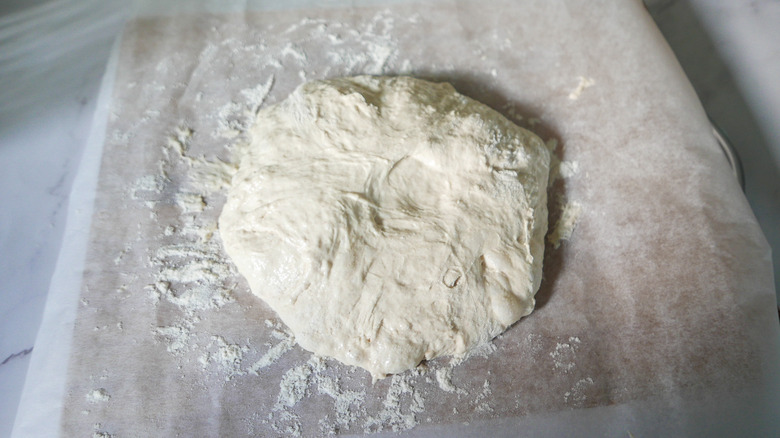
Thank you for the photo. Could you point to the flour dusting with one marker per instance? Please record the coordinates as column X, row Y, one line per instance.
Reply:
column 583, row 83
column 299, row 382
column 444, row 379
column 564, row 355
column 273, row 354
column 225, row 356
column 98, row 395
column 569, row 168
column 578, row 392
column 401, row 405
column 176, row 338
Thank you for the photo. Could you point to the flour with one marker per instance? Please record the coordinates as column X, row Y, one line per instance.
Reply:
column 147, row 183
column 256, row 96
column 296, row 53
column 484, row 351
column 121, row 255
column 482, row 400
column 532, row 344
column 273, row 354
column 100, row 433
column 234, row 118
column 98, row 395
column 569, row 168
column 176, row 338
column 286, row 423
column 147, row 190
column 401, row 405
column 578, row 392
column 583, row 83
column 197, row 265
column 297, row 383
column 564, row 355
column 190, row 202
column 305, row 380
column 190, row 273
column 444, row 379
column 562, row 169
column 346, row 404
column 227, row 357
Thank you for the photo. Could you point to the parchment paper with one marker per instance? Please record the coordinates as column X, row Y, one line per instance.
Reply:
column 661, row 302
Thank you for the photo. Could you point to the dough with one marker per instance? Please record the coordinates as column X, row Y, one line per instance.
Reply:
column 389, row 220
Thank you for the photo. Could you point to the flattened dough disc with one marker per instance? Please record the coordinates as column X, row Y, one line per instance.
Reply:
column 389, row 220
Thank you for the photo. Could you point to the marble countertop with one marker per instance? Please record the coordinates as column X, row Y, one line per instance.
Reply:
column 53, row 55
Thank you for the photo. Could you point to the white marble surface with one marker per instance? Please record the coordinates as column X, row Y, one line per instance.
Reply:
column 52, row 58
column 53, row 54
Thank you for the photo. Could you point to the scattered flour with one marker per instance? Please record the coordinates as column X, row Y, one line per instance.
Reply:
column 232, row 119
column 298, row 382
column 291, row 50
column 483, row 351
column 191, row 273
column 347, row 404
column 147, row 183
column 482, row 400
column 562, row 169
column 273, row 354
column 532, row 345
column 98, row 395
column 581, row 86
column 558, row 168
column 569, row 168
column 225, row 356
column 101, row 434
column 444, row 379
column 393, row 414
column 564, row 355
column 256, row 96
column 577, row 393
column 190, row 202
column 176, row 338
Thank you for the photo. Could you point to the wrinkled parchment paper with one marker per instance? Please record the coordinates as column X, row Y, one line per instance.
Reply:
column 657, row 315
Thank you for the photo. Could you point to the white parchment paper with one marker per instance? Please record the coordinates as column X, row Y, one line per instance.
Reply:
column 657, row 316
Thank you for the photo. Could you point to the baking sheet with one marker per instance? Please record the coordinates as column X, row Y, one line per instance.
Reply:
column 662, row 300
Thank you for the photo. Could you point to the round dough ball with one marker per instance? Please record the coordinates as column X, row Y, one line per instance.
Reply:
column 389, row 220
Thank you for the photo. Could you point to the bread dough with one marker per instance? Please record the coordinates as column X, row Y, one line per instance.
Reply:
column 389, row 220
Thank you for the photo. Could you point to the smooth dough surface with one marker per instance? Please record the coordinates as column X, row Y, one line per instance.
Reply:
column 389, row 220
